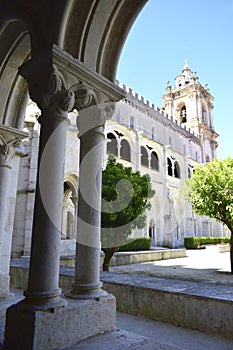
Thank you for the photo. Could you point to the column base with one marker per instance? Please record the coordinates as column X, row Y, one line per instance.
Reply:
column 4, row 285
column 61, row 327
column 42, row 300
column 86, row 291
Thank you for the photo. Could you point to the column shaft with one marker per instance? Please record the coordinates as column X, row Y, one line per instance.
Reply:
column 87, row 281
column 46, row 234
column 5, row 237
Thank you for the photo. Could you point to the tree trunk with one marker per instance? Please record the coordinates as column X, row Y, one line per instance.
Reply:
column 108, row 253
column 231, row 251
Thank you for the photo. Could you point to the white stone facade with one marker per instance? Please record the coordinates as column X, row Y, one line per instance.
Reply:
column 163, row 145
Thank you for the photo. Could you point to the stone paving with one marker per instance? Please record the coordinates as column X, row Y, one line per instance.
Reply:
column 206, row 272
column 204, row 265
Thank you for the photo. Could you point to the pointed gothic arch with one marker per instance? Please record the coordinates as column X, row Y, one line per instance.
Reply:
column 125, row 151
column 112, row 145
column 154, row 161
column 144, row 157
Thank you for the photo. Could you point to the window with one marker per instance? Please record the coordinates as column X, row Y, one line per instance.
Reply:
column 112, row 144
column 169, row 167
column 190, row 171
column 125, row 151
column 176, row 170
column 144, row 157
column 154, row 161
column 183, row 115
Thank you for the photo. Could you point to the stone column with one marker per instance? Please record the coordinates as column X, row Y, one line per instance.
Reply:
column 7, row 151
column 90, row 123
column 55, row 102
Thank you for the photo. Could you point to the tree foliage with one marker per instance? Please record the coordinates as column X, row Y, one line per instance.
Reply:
column 210, row 191
column 125, row 199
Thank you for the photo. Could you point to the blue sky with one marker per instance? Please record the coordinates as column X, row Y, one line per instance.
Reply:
column 166, row 33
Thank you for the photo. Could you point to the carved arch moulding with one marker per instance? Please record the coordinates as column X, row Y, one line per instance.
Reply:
column 62, row 83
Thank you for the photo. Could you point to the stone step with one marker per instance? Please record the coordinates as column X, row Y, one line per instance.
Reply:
column 196, row 305
column 120, row 339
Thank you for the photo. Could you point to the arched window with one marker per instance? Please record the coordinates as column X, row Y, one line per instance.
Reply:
column 183, row 115
column 176, row 170
column 169, row 166
column 154, row 162
column 190, row 170
column 125, row 151
column 144, row 157
column 112, row 144
column 131, row 122
column 152, row 231
column 68, row 211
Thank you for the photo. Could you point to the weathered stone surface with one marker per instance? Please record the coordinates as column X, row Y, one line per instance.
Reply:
column 58, row 327
column 204, row 306
column 125, row 258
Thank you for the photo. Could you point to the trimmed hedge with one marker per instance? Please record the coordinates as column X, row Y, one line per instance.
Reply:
column 135, row 244
column 196, row 242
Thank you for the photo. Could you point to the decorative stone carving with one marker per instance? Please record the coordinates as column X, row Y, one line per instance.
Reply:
column 93, row 107
column 50, row 94
column 7, row 148
column 84, row 96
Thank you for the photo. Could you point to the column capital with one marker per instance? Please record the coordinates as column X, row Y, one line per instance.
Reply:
column 10, row 139
column 93, row 106
column 47, row 87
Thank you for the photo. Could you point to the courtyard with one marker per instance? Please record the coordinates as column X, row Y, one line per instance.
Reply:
column 204, row 268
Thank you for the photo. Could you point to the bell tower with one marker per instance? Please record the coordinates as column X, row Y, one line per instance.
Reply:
column 190, row 104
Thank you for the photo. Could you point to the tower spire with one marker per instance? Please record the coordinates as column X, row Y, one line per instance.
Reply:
column 185, row 64
column 186, row 70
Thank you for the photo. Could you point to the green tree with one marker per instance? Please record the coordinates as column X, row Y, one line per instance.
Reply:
column 125, row 199
column 210, row 191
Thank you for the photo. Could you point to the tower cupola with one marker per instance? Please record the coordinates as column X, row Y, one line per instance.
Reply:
column 190, row 104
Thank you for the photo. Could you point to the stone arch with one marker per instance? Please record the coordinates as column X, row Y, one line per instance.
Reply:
column 125, row 150
column 154, row 161
column 69, row 207
column 15, row 50
column 176, row 170
column 92, row 32
column 112, row 145
column 152, row 232
column 169, row 167
column 181, row 113
column 144, row 157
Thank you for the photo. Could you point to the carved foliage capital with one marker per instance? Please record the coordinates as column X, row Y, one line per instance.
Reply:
column 7, row 148
column 85, row 96
column 50, row 92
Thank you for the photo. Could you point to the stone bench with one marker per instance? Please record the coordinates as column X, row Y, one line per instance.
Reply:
column 125, row 258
